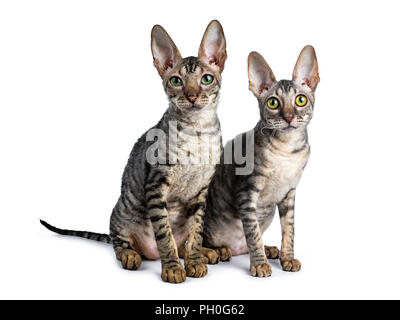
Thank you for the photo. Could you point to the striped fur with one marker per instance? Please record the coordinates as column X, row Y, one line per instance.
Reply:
column 161, row 206
column 83, row 234
column 241, row 207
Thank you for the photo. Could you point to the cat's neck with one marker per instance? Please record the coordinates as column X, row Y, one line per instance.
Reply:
column 289, row 141
column 202, row 119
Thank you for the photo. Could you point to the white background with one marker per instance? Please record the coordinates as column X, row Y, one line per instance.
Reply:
column 77, row 88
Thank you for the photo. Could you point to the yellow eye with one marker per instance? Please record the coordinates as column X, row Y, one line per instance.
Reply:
column 301, row 100
column 273, row 103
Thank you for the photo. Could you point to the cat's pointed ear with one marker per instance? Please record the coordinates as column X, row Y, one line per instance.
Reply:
column 305, row 72
column 165, row 53
column 212, row 49
column 261, row 77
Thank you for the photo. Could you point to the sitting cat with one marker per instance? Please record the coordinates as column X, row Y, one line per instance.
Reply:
column 241, row 207
column 161, row 206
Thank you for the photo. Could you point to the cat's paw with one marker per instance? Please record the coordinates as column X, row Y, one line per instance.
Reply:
column 271, row 252
column 209, row 256
column 262, row 270
column 195, row 269
column 225, row 254
column 130, row 259
column 292, row 265
column 175, row 274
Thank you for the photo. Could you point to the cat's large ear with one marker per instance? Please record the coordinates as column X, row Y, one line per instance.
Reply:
column 165, row 53
column 260, row 74
column 212, row 49
column 305, row 72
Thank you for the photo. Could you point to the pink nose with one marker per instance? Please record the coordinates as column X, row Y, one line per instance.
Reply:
column 288, row 117
column 192, row 98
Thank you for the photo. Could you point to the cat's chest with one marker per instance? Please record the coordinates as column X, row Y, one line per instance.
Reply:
column 283, row 172
column 188, row 180
column 198, row 148
column 197, row 156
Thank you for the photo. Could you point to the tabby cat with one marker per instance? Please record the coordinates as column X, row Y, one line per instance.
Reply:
column 241, row 207
column 161, row 208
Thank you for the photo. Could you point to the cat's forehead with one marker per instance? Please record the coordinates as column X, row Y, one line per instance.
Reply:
column 285, row 87
column 190, row 65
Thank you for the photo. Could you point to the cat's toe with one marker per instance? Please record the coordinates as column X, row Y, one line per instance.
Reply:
column 195, row 269
column 130, row 259
column 174, row 274
column 225, row 254
column 262, row 270
column 271, row 252
column 209, row 256
column 292, row 265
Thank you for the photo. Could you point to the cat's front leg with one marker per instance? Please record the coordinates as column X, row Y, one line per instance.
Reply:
column 286, row 213
column 194, row 265
column 156, row 194
column 247, row 204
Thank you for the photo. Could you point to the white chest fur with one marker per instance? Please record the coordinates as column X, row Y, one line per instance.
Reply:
column 283, row 172
column 197, row 158
column 188, row 180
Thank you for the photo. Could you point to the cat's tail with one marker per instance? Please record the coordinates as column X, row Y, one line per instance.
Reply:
column 83, row 234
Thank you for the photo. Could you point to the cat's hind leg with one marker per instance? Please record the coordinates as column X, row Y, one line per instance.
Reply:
column 209, row 256
column 129, row 257
column 225, row 254
column 271, row 252
column 126, row 249
column 216, row 255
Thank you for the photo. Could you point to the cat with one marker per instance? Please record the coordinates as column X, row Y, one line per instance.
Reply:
column 241, row 207
column 160, row 211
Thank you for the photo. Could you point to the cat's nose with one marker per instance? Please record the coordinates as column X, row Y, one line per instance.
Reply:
column 192, row 97
column 288, row 116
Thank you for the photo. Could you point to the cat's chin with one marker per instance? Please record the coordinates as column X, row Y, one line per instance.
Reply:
column 289, row 128
column 193, row 107
column 197, row 107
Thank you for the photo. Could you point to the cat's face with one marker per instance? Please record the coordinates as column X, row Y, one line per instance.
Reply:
column 191, row 83
column 287, row 104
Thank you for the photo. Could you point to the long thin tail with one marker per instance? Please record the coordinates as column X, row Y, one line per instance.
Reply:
column 83, row 234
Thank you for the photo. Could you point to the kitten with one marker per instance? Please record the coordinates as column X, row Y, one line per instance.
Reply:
column 241, row 207
column 160, row 211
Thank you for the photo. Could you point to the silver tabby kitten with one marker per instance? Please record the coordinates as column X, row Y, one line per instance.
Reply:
column 160, row 211
column 241, row 207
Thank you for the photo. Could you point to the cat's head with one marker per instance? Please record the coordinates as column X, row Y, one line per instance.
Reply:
column 190, row 83
column 286, row 104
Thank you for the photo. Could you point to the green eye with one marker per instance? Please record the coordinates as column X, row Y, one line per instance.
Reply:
column 273, row 103
column 175, row 81
column 301, row 100
column 207, row 79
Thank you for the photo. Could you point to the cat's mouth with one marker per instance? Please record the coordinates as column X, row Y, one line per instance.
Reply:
column 289, row 128
column 196, row 106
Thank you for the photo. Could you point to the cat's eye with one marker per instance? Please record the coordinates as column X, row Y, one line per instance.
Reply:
column 301, row 100
column 207, row 79
column 273, row 103
column 175, row 81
